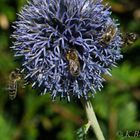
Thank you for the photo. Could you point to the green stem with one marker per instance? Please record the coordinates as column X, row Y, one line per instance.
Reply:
column 92, row 119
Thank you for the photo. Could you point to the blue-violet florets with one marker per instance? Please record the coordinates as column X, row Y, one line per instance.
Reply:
column 47, row 29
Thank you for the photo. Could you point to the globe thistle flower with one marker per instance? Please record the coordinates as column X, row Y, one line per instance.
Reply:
column 57, row 38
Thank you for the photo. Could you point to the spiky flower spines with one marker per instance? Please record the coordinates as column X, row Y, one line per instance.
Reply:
column 46, row 29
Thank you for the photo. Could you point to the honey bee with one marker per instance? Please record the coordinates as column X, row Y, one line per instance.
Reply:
column 74, row 64
column 14, row 77
column 109, row 34
column 129, row 38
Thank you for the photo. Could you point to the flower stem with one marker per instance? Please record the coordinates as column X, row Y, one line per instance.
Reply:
column 92, row 119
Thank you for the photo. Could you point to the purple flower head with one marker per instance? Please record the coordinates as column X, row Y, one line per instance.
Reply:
column 66, row 45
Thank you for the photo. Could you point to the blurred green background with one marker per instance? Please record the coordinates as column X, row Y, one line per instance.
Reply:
column 32, row 117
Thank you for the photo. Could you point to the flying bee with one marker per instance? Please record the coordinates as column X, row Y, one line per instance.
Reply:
column 109, row 34
column 74, row 64
column 14, row 77
column 129, row 38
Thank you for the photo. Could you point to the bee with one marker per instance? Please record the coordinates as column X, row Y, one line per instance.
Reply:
column 74, row 64
column 129, row 38
column 14, row 77
column 109, row 34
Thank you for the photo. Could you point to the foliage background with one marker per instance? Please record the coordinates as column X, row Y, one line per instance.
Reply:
column 33, row 117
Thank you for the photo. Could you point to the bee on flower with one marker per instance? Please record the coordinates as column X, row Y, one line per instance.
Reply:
column 60, row 39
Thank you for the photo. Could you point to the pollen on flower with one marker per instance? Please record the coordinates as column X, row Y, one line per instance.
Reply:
column 46, row 30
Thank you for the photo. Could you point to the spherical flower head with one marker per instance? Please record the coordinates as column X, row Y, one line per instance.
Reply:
column 66, row 46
